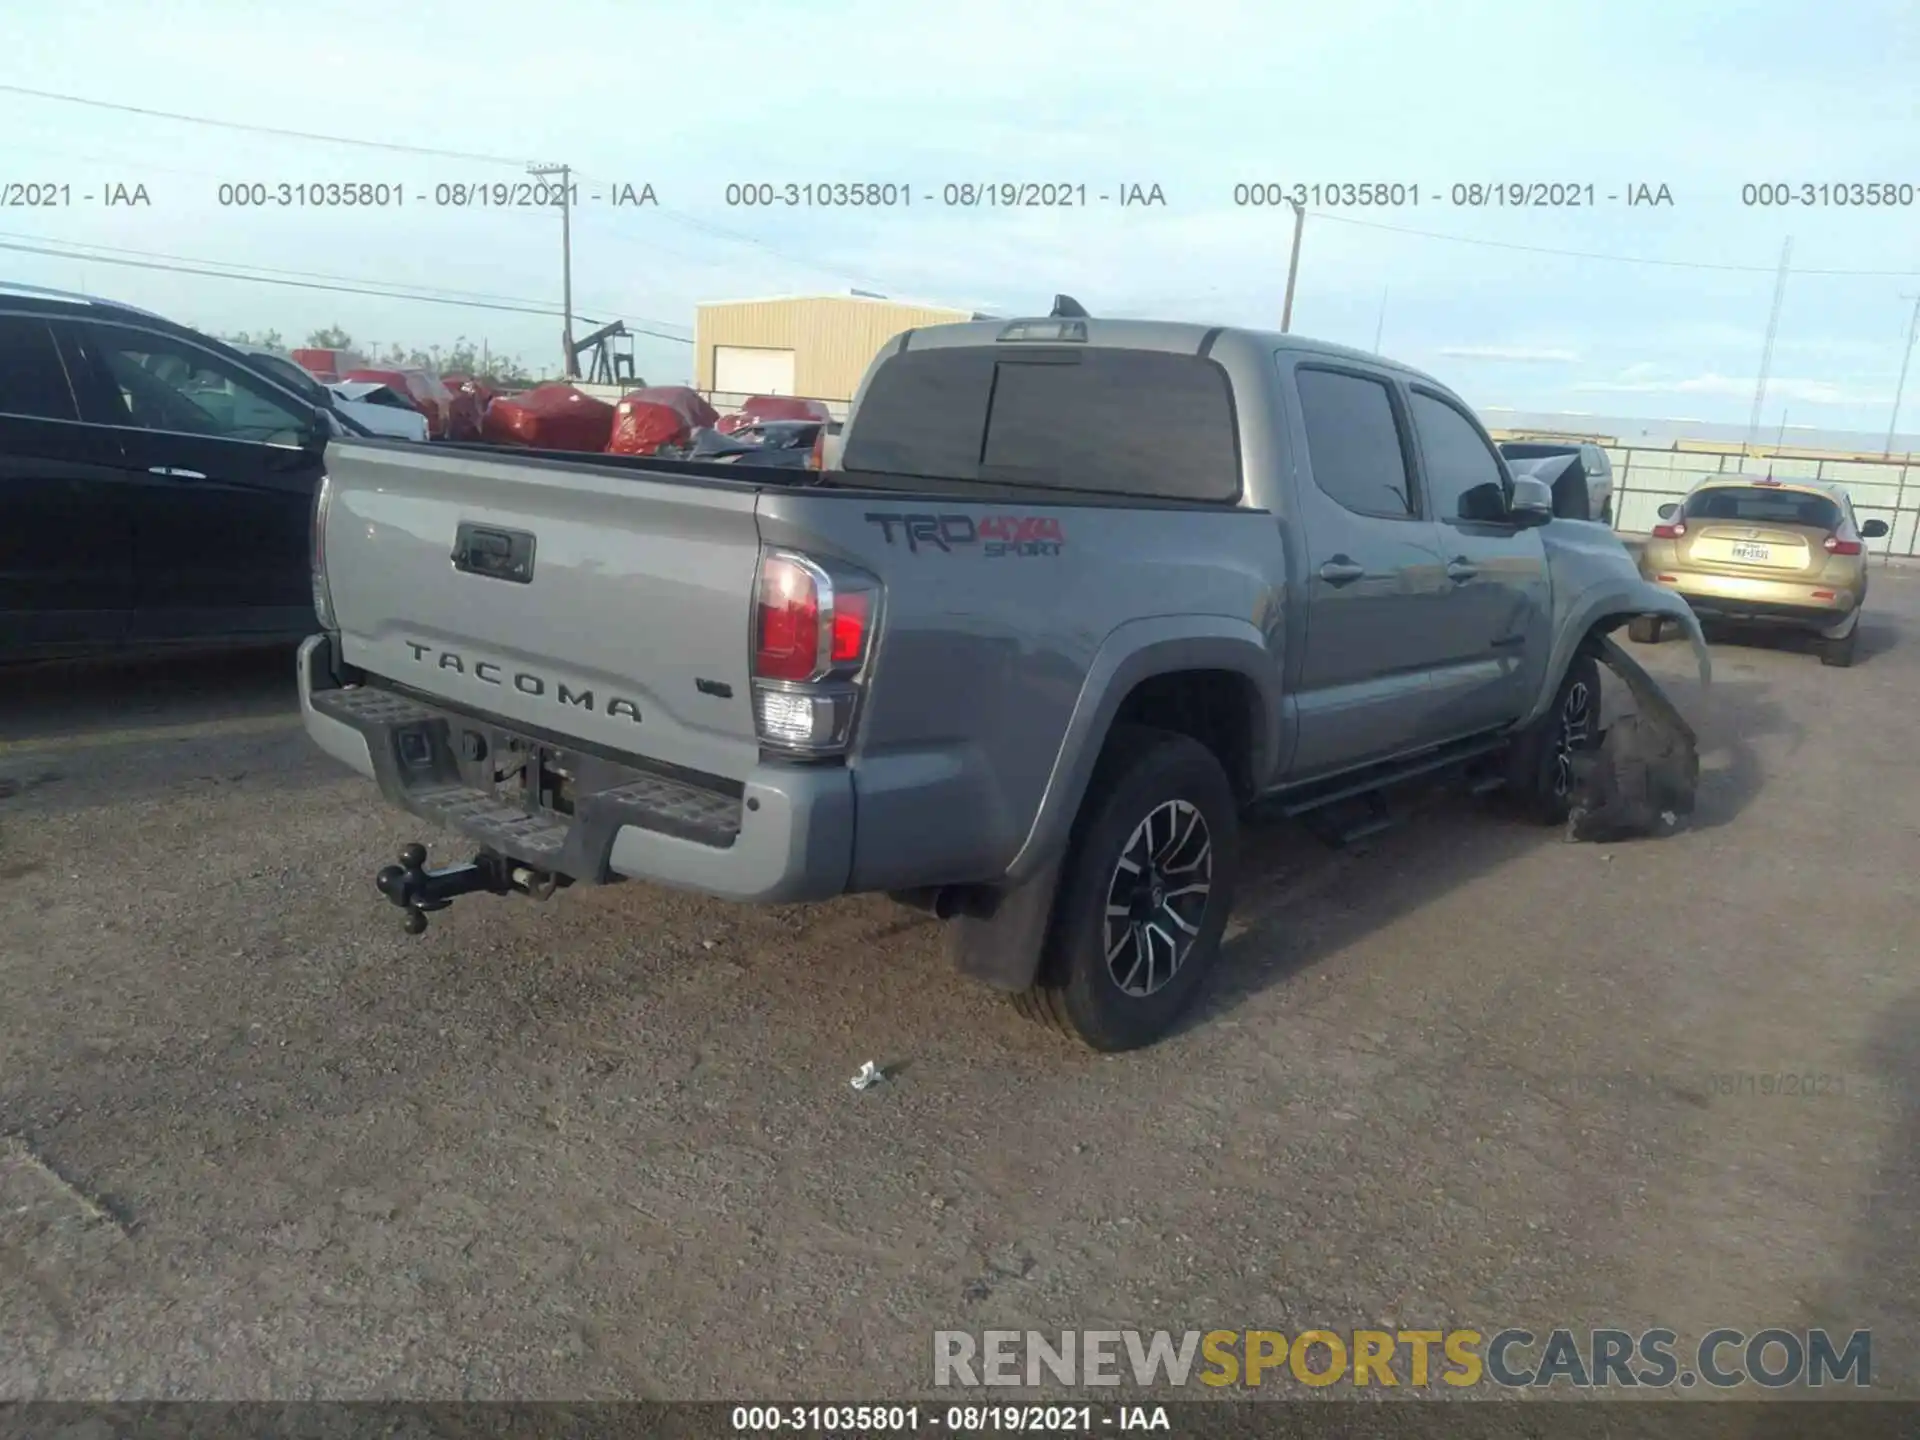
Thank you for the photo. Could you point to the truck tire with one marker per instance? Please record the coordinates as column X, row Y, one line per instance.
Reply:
column 1540, row 766
column 1644, row 629
column 1144, row 893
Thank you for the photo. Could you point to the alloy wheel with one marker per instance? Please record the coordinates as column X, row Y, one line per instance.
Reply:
column 1157, row 897
column 1572, row 734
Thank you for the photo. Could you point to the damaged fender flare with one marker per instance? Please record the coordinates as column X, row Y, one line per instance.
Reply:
column 1647, row 770
column 1651, row 699
column 1606, row 608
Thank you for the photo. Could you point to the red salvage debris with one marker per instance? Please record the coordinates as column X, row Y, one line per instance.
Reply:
column 658, row 415
column 690, row 403
column 774, row 407
column 550, row 417
column 641, row 428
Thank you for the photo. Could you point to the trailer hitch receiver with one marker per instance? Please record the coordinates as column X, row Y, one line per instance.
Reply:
column 418, row 890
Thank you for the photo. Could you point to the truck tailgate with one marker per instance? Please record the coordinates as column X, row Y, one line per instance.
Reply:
column 596, row 603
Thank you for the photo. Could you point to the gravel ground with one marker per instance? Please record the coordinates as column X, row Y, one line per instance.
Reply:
column 256, row 1142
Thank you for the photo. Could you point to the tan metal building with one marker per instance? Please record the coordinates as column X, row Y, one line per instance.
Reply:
column 814, row 346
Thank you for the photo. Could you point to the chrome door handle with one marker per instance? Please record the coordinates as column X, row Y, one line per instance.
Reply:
column 1459, row 571
column 176, row 473
column 1342, row 572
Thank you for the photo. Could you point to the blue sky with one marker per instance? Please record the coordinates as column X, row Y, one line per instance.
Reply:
column 1194, row 98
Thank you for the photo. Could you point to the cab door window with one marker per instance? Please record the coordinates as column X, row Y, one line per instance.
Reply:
column 1464, row 478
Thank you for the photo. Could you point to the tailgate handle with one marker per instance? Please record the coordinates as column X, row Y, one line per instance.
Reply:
column 494, row 554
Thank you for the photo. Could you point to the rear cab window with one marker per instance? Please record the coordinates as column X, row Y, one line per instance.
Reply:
column 1143, row 423
column 1758, row 505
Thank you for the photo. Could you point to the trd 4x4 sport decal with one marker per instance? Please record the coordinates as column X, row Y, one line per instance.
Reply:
column 996, row 534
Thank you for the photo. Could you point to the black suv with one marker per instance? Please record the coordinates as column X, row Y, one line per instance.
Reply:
column 155, row 487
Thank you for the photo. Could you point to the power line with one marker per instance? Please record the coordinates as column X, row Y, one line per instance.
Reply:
column 722, row 232
column 390, row 145
column 1595, row 254
column 398, row 147
column 410, row 290
column 310, row 285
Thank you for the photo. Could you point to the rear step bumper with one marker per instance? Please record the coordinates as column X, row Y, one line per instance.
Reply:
column 786, row 834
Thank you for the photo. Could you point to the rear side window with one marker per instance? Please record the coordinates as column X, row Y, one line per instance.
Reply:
column 1138, row 422
column 1353, row 443
column 1129, row 422
column 33, row 382
column 1758, row 506
column 924, row 414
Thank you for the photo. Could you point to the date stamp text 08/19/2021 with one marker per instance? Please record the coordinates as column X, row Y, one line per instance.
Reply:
column 57, row 192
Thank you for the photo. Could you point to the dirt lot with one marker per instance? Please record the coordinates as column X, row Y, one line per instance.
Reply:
column 258, row 1142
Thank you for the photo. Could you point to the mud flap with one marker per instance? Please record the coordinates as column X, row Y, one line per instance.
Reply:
column 999, row 939
column 1643, row 776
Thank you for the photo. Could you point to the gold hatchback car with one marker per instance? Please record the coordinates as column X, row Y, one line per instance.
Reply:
column 1765, row 551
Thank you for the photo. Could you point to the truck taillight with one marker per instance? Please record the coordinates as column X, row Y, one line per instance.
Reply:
column 850, row 618
column 786, row 622
column 812, row 630
column 322, row 594
column 817, row 460
column 1834, row 545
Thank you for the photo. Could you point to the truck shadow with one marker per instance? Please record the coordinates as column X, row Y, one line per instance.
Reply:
column 80, row 734
column 56, row 698
column 1300, row 900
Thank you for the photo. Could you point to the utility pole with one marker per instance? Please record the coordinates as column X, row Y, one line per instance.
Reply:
column 565, row 172
column 1900, row 386
column 1779, row 443
column 1766, row 352
column 1381, row 325
column 1293, row 264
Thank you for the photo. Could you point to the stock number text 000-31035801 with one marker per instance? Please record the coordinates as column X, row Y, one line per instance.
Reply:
column 443, row 195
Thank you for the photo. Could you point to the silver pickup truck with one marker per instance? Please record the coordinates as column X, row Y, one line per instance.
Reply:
column 1079, row 593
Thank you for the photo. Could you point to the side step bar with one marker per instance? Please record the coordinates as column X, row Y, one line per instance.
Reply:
column 1295, row 803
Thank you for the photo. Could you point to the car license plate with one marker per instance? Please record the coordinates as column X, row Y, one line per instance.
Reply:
column 1755, row 554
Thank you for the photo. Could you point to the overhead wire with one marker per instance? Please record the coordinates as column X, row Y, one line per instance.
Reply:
column 392, row 293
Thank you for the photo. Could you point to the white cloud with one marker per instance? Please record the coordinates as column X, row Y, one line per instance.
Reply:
column 1792, row 389
column 1517, row 354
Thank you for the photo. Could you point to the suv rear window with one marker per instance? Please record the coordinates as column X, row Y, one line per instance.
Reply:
column 1129, row 422
column 1757, row 506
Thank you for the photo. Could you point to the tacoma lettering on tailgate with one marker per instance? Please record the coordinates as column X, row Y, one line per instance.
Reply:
column 488, row 672
column 996, row 534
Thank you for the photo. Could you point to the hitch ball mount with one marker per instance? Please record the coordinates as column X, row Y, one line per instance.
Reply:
column 418, row 890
